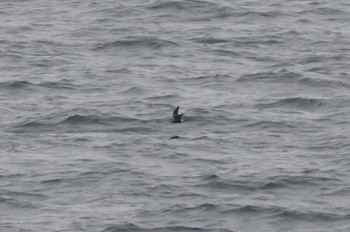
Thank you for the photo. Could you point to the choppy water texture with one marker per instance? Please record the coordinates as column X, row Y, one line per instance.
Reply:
column 87, row 92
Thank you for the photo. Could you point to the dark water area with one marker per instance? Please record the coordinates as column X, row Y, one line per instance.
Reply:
column 88, row 89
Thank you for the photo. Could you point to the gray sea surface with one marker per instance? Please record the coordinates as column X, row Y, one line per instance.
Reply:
column 87, row 92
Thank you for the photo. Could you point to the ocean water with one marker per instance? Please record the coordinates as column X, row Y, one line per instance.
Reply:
column 88, row 88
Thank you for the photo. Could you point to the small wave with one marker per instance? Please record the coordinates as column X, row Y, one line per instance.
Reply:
column 269, row 124
column 79, row 119
column 162, row 97
column 32, row 124
column 82, row 122
column 216, row 183
column 120, row 70
column 311, row 216
column 57, row 85
column 23, row 194
column 137, row 43
column 19, row 84
column 204, row 207
column 201, row 137
column 195, row 10
column 32, row 127
column 133, row 90
column 209, row 161
column 98, row 120
column 132, row 227
column 227, row 53
column 210, row 40
column 280, row 76
column 323, row 11
column 125, row 227
column 254, row 209
column 210, row 177
column 256, row 42
column 189, row 6
column 136, row 129
column 259, row 14
column 318, row 82
column 297, row 103
column 181, row 208
column 304, row 20
column 272, row 185
column 52, row 181
column 282, row 212
column 167, row 5
column 210, row 80
column 16, row 84
column 294, row 181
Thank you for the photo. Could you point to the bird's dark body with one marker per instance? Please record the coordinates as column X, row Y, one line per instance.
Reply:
column 177, row 116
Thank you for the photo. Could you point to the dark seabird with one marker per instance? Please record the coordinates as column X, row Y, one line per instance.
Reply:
column 177, row 116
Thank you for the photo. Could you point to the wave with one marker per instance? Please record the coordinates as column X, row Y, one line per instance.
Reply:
column 209, row 161
column 318, row 82
column 259, row 14
column 133, row 90
column 209, row 80
column 324, row 11
column 311, row 216
column 16, row 85
column 57, row 85
column 214, row 182
column 77, row 122
column 270, row 124
column 79, row 119
column 190, row 6
column 287, row 213
column 32, row 127
column 283, row 76
column 137, row 43
column 132, row 227
column 195, row 10
column 210, row 40
column 203, row 207
column 52, row 181
column 254, row 209
column 95, row 119
column 168, row 5
column 285, row 182
column 296, row 103
column 119, row 70
column 226, row 53
column 218, row 183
